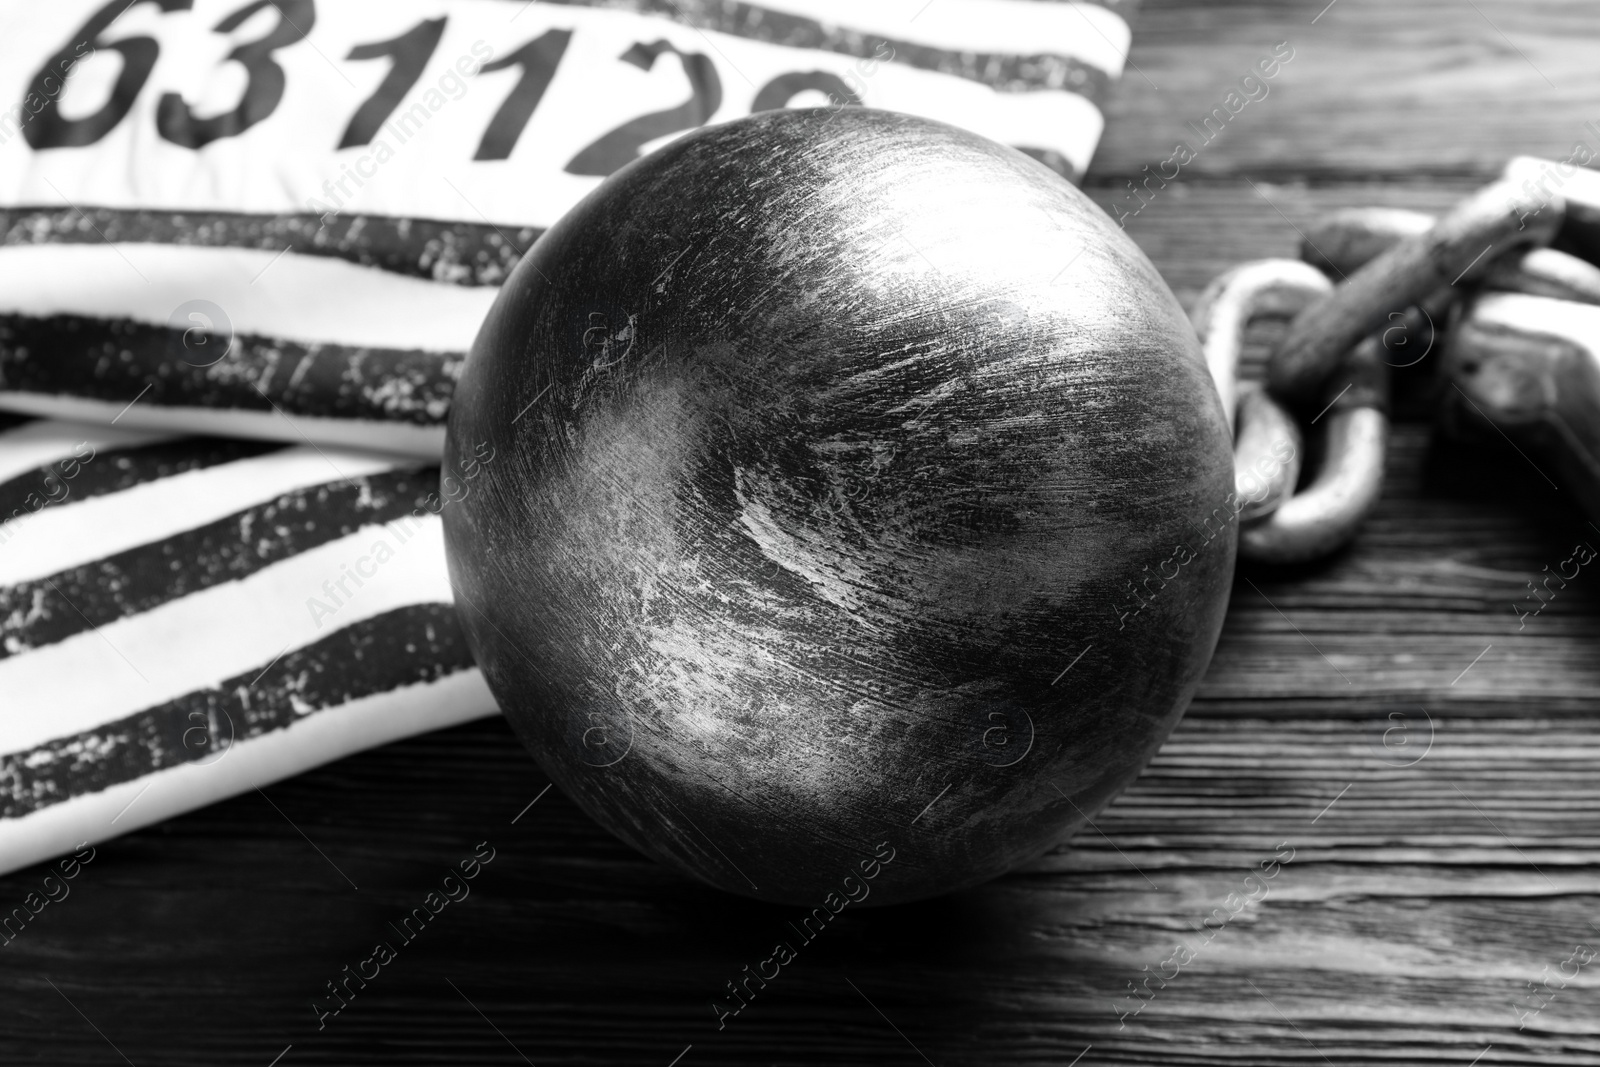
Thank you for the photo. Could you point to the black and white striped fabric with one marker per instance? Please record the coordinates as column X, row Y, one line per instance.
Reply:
column 185, row 619
column 244, row 247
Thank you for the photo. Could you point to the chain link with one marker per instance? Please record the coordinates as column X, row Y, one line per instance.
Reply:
column 1521, row 323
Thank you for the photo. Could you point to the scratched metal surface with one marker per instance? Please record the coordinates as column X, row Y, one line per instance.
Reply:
column 816, row 532
column 1409, row 761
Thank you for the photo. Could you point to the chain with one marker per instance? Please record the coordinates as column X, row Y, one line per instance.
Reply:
column 1521, row 353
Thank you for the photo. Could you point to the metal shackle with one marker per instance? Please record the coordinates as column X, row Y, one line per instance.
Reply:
column 1267, row 445
column 1574, row 189
column 1344, row 241
column 1461, row 244
column 1530, row 366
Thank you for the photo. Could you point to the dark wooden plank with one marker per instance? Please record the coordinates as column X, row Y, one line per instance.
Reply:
column 1197, row 229
column 1430, row 87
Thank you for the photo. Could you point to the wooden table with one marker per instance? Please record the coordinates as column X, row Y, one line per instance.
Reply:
column 1435, row 871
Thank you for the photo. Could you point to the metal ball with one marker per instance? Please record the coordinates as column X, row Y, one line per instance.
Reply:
column 859, row 491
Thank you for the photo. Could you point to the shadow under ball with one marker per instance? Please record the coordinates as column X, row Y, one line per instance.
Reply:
column 848, row 498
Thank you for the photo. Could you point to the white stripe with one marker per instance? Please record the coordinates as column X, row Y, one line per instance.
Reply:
column 31, row 446
column 317, row 739
column 403, row 438
column 1086, row 32
column 1064, row 122
column 298, row 298
column 81, row 531
column 95, row 677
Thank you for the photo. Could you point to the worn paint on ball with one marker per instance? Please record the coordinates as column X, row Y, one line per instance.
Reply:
column 877, row 421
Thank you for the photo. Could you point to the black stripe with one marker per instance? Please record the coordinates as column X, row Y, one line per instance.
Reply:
column 420, row 643
column 1005, row 72
column 115, row 359
column 112, row 470
column 42, row 612
column 466, row 253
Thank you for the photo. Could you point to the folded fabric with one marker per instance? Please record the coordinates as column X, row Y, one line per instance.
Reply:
column 278, row 223
column 183, row 620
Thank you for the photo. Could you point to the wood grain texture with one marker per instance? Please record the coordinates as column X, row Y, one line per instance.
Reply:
column 1436, row 87
column 1422, row 896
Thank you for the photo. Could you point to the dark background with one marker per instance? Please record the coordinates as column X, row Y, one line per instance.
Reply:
column 1415, row 909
